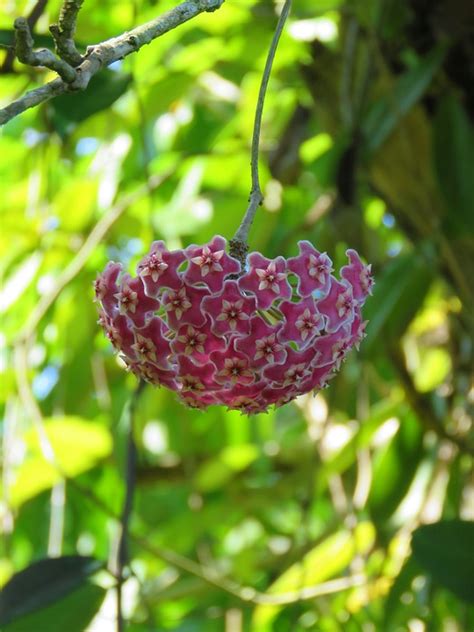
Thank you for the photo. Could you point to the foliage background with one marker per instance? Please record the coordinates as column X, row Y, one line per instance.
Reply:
column 367, row 142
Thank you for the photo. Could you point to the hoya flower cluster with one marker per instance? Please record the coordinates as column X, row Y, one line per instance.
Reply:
column 192, row 321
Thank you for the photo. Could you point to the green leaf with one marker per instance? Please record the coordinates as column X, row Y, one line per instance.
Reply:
column 73, row 613
column 398, row 295
column 445, row 550
column 395, row 468
column 103, row 90
column 394, row 609
column 43, row 583
column 454, row 164
column 386, row 113
column 380, row 412
column 78, row 445
column 320, row 564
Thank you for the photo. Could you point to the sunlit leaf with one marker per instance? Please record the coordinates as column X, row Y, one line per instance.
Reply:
column 394, row 468
column 321, row 563
column 78, row 445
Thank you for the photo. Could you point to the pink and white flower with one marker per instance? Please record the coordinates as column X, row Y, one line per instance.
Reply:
column 189, row 322
column 266, row 279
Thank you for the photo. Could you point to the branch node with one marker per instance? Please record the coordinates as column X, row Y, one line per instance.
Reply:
column 238, row 249
column 133, row 41
column 24, row 43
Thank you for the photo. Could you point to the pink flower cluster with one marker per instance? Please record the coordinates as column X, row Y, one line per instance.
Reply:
column 193, row 322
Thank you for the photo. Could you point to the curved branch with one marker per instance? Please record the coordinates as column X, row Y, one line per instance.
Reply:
column 108, row 52
column 238, row 244
column 24, row 51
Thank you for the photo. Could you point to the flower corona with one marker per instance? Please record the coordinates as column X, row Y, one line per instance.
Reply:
column 193, row 321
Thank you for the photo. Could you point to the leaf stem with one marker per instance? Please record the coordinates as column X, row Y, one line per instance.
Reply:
column 130, row 480
column 238, row 244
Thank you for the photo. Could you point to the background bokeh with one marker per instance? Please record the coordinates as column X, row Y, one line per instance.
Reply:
column 367, row 142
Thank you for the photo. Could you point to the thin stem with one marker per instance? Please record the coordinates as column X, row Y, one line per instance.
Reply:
column 32, row 19
column 63, row 32
column 239, row 241
column 130, row 480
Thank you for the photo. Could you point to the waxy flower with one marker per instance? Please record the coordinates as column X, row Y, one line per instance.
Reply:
column 193, row 321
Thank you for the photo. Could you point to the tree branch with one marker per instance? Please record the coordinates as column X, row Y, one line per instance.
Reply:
column 238, row 244
column 108, row 52
column 24, row 51
column 63, row 32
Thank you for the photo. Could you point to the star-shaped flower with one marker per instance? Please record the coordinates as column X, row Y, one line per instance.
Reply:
column 267, row 279
column 302, row 321
column 184, row 306
column 358, row 275
column 210, row 264
column 192, row 340
column 229, row 310
column 177, row 301
column 338, row 306
column 159, row 269
column 262, row 345
column 312, row 268
column 232, row 367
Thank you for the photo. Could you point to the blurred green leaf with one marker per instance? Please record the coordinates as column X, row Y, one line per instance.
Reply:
column 78, row 445
column 7, row 38
column 394, row 469
column 445, row 550
column 454, row 164
column 386, row 112
column 320, row 564
column 76, row 202
column 72, row 613
column 433, row 369
column 43, row 583
column 395, row 611
column 380, row 413
column 399, row 293
column 103, row 90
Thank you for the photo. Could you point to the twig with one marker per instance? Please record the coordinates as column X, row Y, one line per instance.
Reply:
column 130, row 480
column 24, row 51
column 238, row 244
column 108, row 52
column 33, row 17
column 63, row 32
